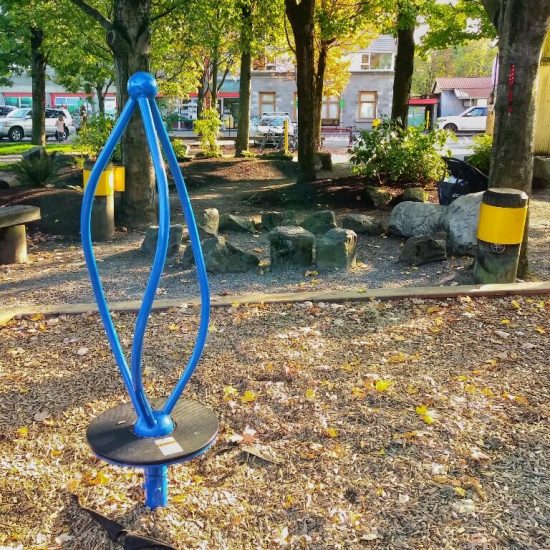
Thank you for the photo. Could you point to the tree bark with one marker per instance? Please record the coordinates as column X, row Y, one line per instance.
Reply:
column 522, row 29
column 38, row 74
column 130, row 41
column 301, row 17
column 214, row 87
column 100, row 94
column 241, row 143
column 404, row 68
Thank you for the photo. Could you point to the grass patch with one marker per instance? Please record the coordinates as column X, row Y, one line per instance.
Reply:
column 7, row 166
column 20, row 148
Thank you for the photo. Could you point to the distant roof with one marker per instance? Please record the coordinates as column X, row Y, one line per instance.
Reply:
column 466, row 87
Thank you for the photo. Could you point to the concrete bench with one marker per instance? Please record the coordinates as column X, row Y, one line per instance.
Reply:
column 13, row 240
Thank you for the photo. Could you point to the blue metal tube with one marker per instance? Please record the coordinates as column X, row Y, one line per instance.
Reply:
column 199, row 260
column 142, row 409
column 158, row 263
column 156, row 486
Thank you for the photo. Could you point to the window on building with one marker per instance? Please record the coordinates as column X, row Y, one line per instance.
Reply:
column 367, row 105
column 376, row 61
column 267, row 102
column 18, row 101
column 330, row 111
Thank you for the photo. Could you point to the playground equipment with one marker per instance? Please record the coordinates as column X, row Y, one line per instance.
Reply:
column 144, row 434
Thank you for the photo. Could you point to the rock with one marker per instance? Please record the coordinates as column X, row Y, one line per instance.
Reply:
column 291, row 245
column 208, row 221
column 275, row 219
column 464, row 506
column 230, row 222
column 336, row 248
column 422, row 250
column 541, row 172
column 34, row 153
column 377, row 197
column 320, row 222
column 460, row 223
column 149, row 244
column 362, row 225
column 221, row 256
column 414, row 194
column 325, row 159
column 413, row 219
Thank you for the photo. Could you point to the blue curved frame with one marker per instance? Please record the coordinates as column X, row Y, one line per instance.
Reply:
column 150, row 422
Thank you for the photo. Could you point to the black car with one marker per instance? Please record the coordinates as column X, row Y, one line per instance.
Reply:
column 5, row 109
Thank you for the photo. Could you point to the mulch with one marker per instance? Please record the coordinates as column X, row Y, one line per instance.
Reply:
column 412, row 424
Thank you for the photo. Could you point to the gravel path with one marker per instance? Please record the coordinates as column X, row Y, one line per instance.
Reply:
column 56, row 272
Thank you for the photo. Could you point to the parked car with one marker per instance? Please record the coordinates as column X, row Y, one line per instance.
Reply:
column 18, row 123
column 473, row 119
column 273, row 124
column 5, row 109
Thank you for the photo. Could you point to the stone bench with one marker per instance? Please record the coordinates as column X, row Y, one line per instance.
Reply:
column 13, row 240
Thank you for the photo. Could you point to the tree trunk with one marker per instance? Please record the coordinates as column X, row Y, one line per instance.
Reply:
column 100, row 94
column 38, row 74
column 214, row 87
column 404, row 68
column 522, row 30
column 302, row 22
column 130, row 41
column 318, row 92
column 241, row 143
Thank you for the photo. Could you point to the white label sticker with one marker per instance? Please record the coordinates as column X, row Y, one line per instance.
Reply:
column 168, row 446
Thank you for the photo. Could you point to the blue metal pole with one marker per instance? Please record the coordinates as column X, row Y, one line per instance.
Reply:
column 156, row 486
column 199, row 260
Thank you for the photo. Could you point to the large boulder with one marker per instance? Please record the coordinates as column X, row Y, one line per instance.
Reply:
column 240, row 224
column 320, row 222
column 414, row 194
column 149, row 244
column 336, row 248
column 291, row 245
column 221, row 256
column 541, row 172
column 460, row 223
column 413, row 219
column 362, row 225
column 377, row 197
column 208, row 222
column 422, row 250
column 271, row 220
column 35, row 153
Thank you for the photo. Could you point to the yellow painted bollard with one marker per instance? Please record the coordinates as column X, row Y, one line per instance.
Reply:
column 285, row 136
column 501, row 225
column 120, row 178
column 103, row 210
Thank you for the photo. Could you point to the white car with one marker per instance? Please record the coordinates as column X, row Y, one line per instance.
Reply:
column 17, row 124
column 273, row 124
column 473, row 119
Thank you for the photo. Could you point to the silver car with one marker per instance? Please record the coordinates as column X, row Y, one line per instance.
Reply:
column 17, row 124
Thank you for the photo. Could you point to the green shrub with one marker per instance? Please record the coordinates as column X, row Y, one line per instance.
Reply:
column 481, row 157
column 396, row 156
column 92, row 137
column 37, row 171
column 181, row 149
column 207, row 127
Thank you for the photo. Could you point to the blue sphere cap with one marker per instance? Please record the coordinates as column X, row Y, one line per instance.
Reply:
column 142, row 84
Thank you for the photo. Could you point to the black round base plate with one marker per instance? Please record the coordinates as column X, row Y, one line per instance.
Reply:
column 112, row 437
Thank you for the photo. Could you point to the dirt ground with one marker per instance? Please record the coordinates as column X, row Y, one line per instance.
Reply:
column 413, row 424
column 56, row 271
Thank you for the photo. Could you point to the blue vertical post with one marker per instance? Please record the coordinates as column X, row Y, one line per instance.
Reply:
column 156, row 486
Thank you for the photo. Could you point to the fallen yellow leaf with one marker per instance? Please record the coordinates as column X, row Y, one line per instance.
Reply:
column 516, row 304
column 432, row 309
column 505, row 322
column 23, row 431
column 540, row 330
column 358, row 393
column 399, row 357
column 230, row 391
column 331, row 432
column 460, row 491
column 310, row 394
column 173, row 327
column 248, row 396
column 382, row 385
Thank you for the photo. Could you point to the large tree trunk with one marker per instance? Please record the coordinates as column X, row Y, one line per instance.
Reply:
column 38, row 74
column 302, row 22
column 130, row 41
column 522, row 29
column 214, row 87
column 100, row 94
column 318, row 92
column 241, row 143
column 404, row 68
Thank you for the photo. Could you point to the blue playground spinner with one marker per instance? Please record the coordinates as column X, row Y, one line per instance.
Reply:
column 144, row 434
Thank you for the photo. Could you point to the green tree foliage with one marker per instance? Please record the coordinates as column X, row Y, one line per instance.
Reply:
column 207, row 127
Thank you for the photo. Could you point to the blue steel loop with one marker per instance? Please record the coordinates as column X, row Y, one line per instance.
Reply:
column 199, row 261
column 142, row 90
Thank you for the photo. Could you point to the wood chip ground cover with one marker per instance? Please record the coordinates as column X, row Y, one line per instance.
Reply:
column 415, row 424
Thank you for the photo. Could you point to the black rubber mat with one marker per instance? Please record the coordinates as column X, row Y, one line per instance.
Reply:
column 112, row 438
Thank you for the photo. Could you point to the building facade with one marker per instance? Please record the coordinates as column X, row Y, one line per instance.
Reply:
column 459, row 93
column 367, row 96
